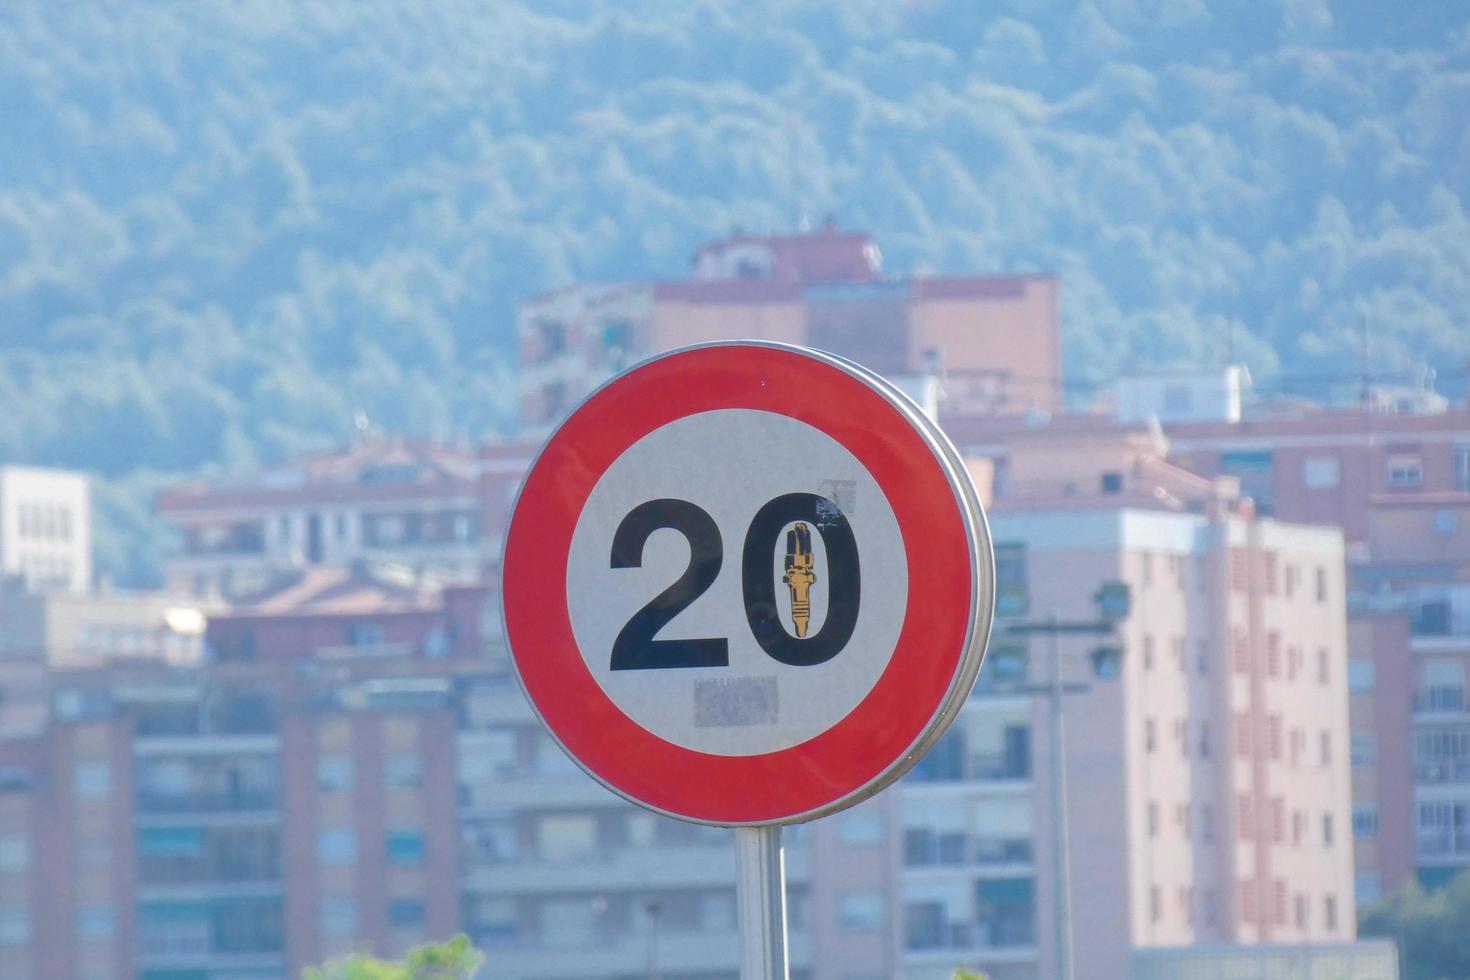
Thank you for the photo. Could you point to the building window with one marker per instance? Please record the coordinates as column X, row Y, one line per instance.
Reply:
column 1364, row 749
column 1365, row 820
column 1206, row 822
column 1360, row 674
column 93, row 781
column 1245, row 816
column 15, row 925
column 364, row 634
column 1301, row 910
column 1368, row 887
column 1321, row 472
column 1148, row 651
column 861, row 911
column 1011, row 592
column 1329, row 910
column 406, row 912
column 15, row 853
column 337, row 917
column 1405, row 470
column 94, row 922
column 1153, row 819
column 567, row 837
column 334, row 774
column 1148, row 734
column 1321, row 584
column 404, row 771
column 1327, row 835
column 1155, row 905
column 1324, row 665
column 1243, row 738
column 336, row 845
column 1326, row 747
column 1240, row 652
column 405, row 847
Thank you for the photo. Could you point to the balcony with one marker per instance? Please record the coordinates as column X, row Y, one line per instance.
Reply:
column 923, row 849
column 619, row 869
column 974, row 938
column 236, row 801
column 975, row 766
column 155, row 871
column 1443, row 845
column 1442, row 771
column 1439, row 700
column 206, row 743
column 542, row 791
column 709, row 951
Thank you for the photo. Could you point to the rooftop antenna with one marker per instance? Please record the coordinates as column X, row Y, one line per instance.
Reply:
column 1230, row 319
column 1363, row 392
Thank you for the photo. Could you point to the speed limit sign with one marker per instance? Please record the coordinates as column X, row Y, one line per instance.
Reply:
column 747, row 584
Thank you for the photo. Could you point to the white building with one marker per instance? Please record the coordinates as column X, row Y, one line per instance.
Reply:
column 45, row 528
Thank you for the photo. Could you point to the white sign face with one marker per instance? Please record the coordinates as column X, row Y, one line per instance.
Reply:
column 690, row 668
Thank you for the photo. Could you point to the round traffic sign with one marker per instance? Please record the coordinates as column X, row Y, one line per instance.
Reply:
column 747, row 583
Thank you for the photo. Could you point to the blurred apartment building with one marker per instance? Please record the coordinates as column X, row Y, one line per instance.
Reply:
column 64, row 629
column 995, row 339
column 1206, row 735
column 435, row 509
column 353, row 767
column 1394, row 473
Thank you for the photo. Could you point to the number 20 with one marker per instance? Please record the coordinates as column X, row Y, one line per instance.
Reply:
column 635, row 647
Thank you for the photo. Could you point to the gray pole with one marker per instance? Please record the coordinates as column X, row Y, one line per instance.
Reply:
column 1061, row 855
column 760, row 894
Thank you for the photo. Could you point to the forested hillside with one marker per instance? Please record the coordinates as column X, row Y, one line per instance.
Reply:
column 228, row 228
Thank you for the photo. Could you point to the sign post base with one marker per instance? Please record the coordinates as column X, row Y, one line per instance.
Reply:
column 760, row 892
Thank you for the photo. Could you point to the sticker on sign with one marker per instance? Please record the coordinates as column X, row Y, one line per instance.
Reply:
column 747, row 584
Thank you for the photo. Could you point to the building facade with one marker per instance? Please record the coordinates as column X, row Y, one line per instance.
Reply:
column 45, row 528
column 995, row 340
column 72, row 628
column 433, row 509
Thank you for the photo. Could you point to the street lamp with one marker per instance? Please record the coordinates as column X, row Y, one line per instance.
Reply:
column 1114, row 601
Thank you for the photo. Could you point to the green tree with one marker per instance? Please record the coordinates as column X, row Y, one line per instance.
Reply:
column 454, row 960
column 969, row 975
column 1432, row 928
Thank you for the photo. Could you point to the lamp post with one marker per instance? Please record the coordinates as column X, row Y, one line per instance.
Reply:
column 1114, row 601
column 654, row 908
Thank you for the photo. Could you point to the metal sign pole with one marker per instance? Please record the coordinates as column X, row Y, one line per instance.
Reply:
column 760, row 892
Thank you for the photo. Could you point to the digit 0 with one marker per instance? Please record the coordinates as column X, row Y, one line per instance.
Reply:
column 636, row 647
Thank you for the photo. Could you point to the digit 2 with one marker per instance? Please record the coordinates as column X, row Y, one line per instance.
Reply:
column 635, row 648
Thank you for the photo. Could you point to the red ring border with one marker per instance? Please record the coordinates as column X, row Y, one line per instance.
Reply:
column 829, row 769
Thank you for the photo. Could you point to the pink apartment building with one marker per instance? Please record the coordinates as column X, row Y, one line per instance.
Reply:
column 1209, row 778
column 996, row 339
column 1398, row 483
